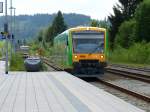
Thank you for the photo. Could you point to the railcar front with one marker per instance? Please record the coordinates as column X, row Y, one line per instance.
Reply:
column 88, row 51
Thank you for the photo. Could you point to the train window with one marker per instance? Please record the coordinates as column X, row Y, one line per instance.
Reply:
column 88, row 43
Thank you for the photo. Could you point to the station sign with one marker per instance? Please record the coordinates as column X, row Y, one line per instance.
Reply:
column 1, row 7
column 2, row 37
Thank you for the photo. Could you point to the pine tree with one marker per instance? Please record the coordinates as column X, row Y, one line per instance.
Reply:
column 58, row 26
column 128, row 7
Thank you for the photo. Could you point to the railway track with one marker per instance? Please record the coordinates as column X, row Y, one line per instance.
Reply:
column 136, row 76
column 124, row 90
column 144, row 69
column 46, row 61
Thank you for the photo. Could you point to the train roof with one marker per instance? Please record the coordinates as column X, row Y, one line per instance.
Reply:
column 80, row 28
column 86, row 28
column 24, row 46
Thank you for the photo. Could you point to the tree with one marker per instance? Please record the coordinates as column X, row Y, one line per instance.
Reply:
column 100, row 23
column 125, row 36
column 94, row 23
column 48, row 34
column 128, row 8
column 58, row 26
column 115, row 21
column 40, row 36
column 122, row 12
column 142, row 17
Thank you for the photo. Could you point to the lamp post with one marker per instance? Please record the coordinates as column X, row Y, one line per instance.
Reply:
column 11, row 27
column 6, row 36
column 14, row 28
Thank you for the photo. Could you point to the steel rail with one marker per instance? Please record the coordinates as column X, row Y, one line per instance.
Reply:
column 140, row 77
column 144, row 69
column 46, row 61
column 132, row 93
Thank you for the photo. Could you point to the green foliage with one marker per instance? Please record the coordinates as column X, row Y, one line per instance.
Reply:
column 1, row 48
column 27, row 26
column 48, row 34
column 142, row 17
column 2, row 44
column 100, row 23
column 122, row 12
column 40, row 36
column 136, row 29
column 115, row 21
column 94, row 23
column 138, row 53
column 58, row 26
column 17, row 63
column 34, row 46
column 128, row 8
column 125, row 36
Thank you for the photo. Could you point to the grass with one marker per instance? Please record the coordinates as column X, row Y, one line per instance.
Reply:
column 44, row 67
column 17, row 63
column 1, row 46
column 0, row 55
column 137, row 55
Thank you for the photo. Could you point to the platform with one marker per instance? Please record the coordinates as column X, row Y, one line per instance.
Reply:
column 55, row 92
column 2, row 67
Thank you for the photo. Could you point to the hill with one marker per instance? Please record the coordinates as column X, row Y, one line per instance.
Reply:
column 27, row 26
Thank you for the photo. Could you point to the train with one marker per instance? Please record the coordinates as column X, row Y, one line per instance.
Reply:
column 82, row 50
column 33, row 64
column 24, row 51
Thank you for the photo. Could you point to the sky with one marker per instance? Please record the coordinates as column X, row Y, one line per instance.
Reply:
column 97, row 9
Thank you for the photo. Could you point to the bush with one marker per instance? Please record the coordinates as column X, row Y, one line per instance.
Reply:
column 17, row 63
column 118, row 55
column 139, row 53
column 125, row 36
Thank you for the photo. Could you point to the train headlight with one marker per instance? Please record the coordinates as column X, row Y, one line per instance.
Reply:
column 102, row 56
column 75, row 57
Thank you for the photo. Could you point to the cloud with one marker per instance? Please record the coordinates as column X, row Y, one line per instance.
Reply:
column 97, row 9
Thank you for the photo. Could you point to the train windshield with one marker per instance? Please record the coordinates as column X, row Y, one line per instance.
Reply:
column 88, row 42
